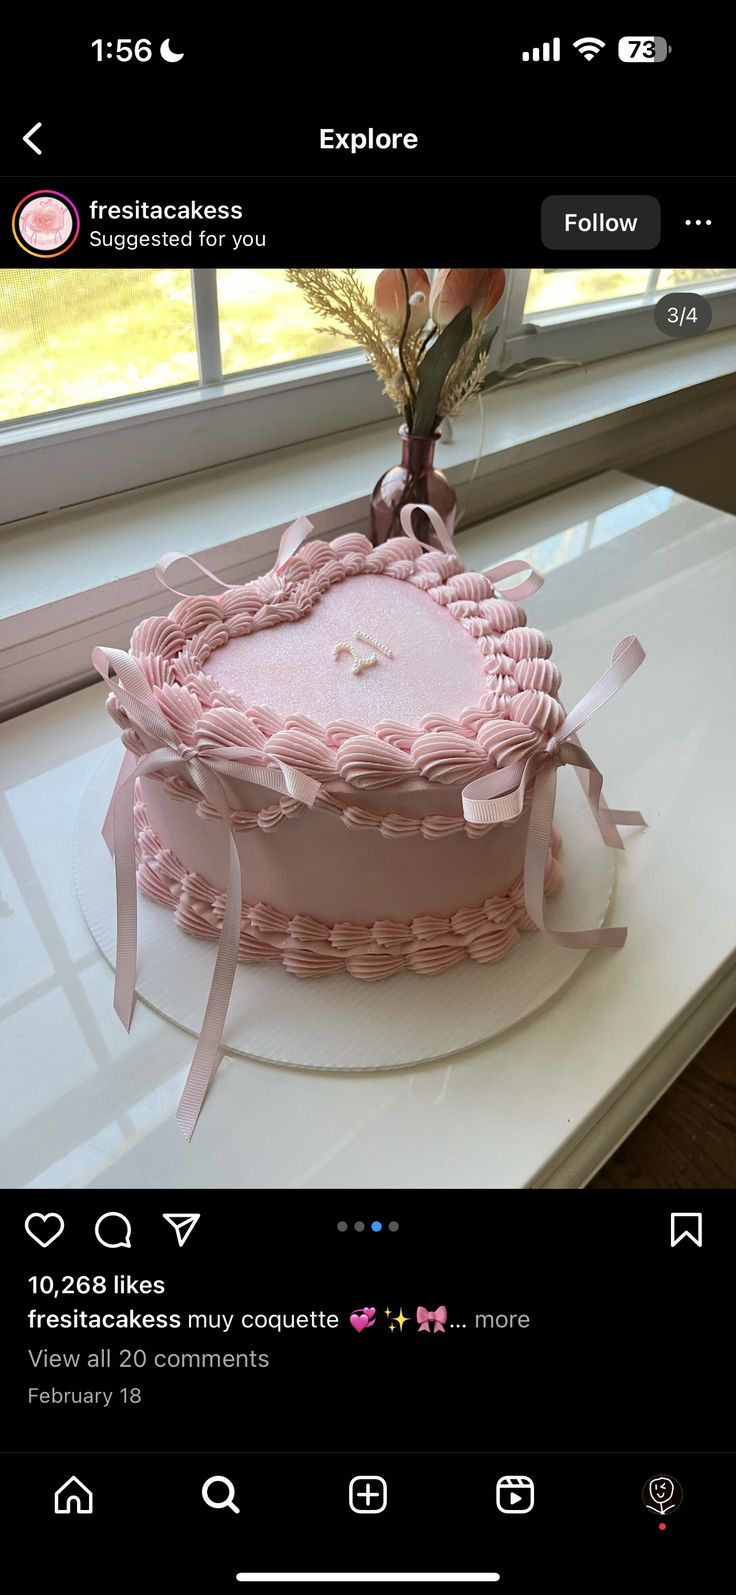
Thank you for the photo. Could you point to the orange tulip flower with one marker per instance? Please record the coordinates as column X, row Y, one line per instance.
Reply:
column 389, row 297
column 476, row 289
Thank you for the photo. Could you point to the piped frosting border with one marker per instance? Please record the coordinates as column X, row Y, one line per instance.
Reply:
column 519, row 709
column 308, row 947
column 392, row 826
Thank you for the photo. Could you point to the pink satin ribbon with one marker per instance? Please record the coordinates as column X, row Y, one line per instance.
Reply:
column 108, row 830
column 438, row 1318
column 495, row 573
column 207, row 772
column 291, row 540
column 500, row 796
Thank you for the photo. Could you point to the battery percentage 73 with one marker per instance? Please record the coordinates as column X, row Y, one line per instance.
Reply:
column 643, row 47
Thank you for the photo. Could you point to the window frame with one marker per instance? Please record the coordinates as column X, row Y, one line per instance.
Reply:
column 68, row 457
column 74, row 456
column 600, row 330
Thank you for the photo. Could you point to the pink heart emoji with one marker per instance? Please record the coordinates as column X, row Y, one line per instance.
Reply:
column 364, row 1319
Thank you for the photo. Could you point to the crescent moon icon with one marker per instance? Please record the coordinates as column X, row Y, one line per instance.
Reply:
column 168, row 54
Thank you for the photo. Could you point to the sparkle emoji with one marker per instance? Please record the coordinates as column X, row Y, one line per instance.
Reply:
column 396, row 1320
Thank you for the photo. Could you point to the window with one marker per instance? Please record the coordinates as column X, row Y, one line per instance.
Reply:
column 263, row 321
column 555, row 289
column 559, row 289
column 70, row 338
column 593, row 312
column 117, row 378
column 75, row 338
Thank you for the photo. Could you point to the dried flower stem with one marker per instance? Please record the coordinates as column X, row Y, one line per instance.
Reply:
column 409, row 410
column 340, row 299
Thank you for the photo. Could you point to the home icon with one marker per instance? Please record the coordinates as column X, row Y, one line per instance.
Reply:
column 73, row 1496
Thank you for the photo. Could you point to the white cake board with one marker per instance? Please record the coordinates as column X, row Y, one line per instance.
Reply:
column 339, row 1022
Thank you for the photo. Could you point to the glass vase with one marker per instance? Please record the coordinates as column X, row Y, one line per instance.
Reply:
column 414, row 481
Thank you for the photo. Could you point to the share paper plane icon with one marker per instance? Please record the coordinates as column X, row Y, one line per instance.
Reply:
column 183, row 1223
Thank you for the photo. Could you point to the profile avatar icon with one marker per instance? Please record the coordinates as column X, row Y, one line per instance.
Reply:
column 661, row 1491
column 662, row 1494
column 45, row 223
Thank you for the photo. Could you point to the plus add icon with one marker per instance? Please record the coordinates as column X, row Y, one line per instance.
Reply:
column 368, row 1493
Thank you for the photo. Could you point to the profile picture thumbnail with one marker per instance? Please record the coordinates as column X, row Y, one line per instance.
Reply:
column 45, row 223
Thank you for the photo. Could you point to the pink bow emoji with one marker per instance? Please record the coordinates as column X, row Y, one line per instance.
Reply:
column 438, row 1318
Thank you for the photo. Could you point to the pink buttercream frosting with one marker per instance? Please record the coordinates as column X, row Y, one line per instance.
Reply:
column 513, row 685
column 309, row 948
column 260, row 716
column 389, row 676
column 433, row 827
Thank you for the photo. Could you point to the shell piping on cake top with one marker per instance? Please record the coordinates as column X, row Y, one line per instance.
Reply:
column 511, row 655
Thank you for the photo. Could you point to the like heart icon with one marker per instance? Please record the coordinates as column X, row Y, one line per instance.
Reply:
column 363, row 1318
column 38, row 1226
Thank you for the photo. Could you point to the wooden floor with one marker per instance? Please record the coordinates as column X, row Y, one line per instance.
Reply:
column 688, row 1141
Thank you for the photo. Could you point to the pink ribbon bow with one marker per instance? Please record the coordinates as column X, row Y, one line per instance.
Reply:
column 207, row 771
column 291, row 540
column 500, row 796
column 495, row 573
column 438, row 1318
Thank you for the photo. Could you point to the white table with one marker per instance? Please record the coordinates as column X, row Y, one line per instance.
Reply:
column 84, row 1104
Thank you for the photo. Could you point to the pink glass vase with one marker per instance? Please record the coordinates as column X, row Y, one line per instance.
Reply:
column 414, row 481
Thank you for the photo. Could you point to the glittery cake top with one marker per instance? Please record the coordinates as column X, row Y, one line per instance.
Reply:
column 431, row 675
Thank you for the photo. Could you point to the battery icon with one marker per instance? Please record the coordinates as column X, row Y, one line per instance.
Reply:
column 643, row 47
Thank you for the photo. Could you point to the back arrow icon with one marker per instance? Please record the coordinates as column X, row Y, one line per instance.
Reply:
column 27, row 139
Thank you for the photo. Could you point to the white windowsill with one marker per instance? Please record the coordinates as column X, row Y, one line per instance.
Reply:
column 43, row 431
column 85, row 574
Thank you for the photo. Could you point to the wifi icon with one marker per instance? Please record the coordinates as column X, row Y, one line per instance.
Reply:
column 589, row 47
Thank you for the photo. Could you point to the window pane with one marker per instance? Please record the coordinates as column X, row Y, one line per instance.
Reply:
column 75, row 337
column 265, row 320
column 676, row 278
column 554, row 290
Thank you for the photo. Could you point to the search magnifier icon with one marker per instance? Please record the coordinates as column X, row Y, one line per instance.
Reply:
column 229, row 1497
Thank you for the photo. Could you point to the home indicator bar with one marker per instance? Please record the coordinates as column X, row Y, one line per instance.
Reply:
column 369, row 1578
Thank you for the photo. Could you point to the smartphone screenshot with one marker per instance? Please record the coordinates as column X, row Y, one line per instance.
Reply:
column 366, row 769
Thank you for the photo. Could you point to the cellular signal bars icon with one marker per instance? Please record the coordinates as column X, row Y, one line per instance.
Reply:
column 543, row 52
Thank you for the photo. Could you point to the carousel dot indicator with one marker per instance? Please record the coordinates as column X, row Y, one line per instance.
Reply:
column 360, row 1226
column 376, row 1225
column 342, row 1226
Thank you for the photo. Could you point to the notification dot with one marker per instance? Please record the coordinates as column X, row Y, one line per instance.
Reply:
column 661, row 1526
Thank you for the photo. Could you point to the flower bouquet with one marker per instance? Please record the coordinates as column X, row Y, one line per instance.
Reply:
column 428, row 343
